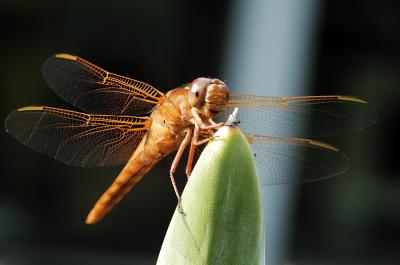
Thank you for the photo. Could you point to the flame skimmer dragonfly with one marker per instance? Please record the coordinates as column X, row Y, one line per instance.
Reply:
column 129, row 121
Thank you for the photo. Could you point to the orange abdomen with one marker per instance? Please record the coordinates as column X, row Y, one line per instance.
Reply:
column 131, row 174
column 163, row 137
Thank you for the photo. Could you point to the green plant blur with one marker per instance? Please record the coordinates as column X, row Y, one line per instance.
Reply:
column 222, row 220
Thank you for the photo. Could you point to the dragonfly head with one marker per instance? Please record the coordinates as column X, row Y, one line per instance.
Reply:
column 209, row 94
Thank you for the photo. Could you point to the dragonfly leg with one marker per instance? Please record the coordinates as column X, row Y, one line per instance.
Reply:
column 212, row 126
column 189, row 164
column 195, row 142
column 201, row 124
column 178, row 196
column 217, row 125
column 175, row 163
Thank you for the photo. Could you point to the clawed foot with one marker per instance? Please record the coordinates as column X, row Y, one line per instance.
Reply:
column 180, row 209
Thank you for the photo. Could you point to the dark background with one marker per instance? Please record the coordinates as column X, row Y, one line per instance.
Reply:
column 351, row 219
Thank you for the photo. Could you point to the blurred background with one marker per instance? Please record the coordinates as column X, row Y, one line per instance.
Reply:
column 349, row 47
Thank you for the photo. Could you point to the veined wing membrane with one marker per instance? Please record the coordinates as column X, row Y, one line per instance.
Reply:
column 305, row 117
column 77, row 138
column 294, row 160
column 95, row 90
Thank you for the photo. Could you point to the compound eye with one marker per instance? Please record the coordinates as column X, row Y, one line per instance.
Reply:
column 197, row 91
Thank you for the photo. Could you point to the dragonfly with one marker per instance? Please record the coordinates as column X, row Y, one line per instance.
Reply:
column 127, row 121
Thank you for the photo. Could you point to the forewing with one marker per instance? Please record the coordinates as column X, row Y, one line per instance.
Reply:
column 305, row 117
column 77, row 138
column 95, row 90
column 294, row 160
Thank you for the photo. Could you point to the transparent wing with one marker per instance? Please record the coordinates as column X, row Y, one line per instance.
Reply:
column 95, row 90
column 77, row 138
column 305, row 117
column 293, row 160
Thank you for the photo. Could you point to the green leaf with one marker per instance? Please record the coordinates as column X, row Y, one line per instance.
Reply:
column 222, row 220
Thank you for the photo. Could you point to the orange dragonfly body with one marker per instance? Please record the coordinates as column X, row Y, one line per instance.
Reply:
column 129, row 121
